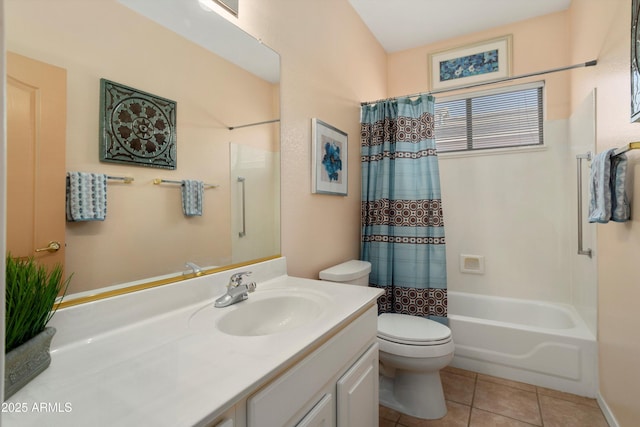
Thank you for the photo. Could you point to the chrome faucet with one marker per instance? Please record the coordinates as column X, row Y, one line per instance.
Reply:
column 195, row 269
column 236, row 290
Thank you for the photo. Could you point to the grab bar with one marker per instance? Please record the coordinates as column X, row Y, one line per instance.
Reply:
column 243, row 233
column 580, row 157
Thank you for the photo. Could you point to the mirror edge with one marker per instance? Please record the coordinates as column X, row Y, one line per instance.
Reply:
column 154, row 284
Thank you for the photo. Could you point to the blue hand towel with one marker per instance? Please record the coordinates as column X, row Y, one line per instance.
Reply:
column 192, row 195
column 599, row 188
column 86, row 196
column 607, row 188
column 620, row 211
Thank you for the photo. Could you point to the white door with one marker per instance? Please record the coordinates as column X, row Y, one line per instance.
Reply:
column 36, row 170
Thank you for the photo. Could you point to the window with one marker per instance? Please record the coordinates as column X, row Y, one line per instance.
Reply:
column 500, row 118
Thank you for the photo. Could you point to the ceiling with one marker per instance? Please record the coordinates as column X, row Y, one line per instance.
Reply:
column 405, row 24
column 202, row 22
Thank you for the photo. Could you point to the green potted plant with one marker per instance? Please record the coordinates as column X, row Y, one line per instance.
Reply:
column 31, row 293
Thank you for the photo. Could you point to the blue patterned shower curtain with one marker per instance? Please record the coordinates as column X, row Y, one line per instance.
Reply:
column 402, row 223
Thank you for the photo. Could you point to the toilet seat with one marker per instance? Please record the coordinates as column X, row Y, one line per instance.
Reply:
column 412, row 330
column 413, row 337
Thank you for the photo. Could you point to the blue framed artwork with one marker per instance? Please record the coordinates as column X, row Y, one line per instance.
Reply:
column 478, row 63
column 328, row 159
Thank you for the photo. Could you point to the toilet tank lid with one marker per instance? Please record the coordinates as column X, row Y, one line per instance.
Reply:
column 346, row 271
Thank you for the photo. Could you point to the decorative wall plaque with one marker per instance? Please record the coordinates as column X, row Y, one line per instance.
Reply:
column 136, row 127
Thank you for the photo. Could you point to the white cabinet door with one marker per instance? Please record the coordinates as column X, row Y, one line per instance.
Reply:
column 285, row 400
column 226, row 420
column 357, row 392
column 321, row 415
column 225, row 423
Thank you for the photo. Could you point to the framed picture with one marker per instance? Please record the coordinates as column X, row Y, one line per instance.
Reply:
column 136, row 127
column 478, row 63
column 328, row 159
column 635, row 57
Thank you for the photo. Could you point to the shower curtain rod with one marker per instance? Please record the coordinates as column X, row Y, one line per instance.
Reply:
column 254, row 124
column 506, row 79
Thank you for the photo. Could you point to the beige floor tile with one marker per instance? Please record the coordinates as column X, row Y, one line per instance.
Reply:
column 386, row 423
column 514, row 384
column 480, row 418
column 502, row 403
column 458, row 388
column 508, row 401
column 388, row 413
column 562, row 413
column 457, row 416
column 459, row 371
column 568, row 396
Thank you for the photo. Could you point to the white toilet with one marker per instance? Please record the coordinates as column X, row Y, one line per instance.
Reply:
column 412, row 352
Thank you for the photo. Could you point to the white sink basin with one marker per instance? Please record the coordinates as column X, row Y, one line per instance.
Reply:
column 263, row 313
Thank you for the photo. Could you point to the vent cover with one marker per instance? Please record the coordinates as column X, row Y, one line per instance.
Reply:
column 471, row 264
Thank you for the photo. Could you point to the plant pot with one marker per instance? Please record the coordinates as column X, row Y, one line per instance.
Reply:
column 24, row 363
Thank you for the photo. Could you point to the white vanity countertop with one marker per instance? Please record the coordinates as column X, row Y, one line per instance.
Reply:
column 158, row 371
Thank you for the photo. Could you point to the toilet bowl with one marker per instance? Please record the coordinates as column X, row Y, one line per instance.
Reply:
column 412, row 352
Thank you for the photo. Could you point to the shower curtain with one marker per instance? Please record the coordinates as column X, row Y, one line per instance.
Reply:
column 402, row 222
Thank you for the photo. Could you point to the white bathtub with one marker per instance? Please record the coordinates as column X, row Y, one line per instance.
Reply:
column 536, row 342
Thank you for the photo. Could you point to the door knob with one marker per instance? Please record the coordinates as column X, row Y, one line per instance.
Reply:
column 53, row 247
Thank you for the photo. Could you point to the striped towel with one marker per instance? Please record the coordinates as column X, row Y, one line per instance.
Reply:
column 599, row 188
column 607, row 188
column 86, row 196
column 192, row 195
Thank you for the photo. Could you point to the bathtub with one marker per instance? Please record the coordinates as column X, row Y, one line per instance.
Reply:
column 535, row 342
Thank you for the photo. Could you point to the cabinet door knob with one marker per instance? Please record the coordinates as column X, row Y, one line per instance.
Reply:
column 53, row 247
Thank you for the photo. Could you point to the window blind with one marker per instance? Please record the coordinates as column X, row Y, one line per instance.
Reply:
column 505, row 117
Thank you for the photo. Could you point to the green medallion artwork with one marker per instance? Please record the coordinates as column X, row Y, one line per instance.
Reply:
column 136, row 127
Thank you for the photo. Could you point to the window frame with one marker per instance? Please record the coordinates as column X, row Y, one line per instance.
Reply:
column 499, row 149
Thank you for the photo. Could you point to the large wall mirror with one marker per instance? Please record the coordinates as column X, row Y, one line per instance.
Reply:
column 219, row 77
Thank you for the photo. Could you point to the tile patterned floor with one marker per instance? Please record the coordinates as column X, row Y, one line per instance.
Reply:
column 477, row 400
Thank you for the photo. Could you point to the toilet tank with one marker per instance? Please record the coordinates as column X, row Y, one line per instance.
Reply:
column 352, row 272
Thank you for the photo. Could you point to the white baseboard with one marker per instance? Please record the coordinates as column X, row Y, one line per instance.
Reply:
column 606, row 411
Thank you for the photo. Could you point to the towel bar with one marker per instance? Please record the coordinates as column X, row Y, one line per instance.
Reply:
column 126, row 179
column 629, row 146
column 158, row 181
column 581, row 250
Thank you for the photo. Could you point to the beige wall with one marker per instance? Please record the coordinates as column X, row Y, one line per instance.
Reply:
column 532, row 40
column 330, row 63
column 602, row 29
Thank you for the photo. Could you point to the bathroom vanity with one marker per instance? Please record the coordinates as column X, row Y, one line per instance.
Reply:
column 297, row 352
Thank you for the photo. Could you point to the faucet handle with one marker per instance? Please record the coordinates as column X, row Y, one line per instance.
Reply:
column 195, row 269
column 236, row 279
